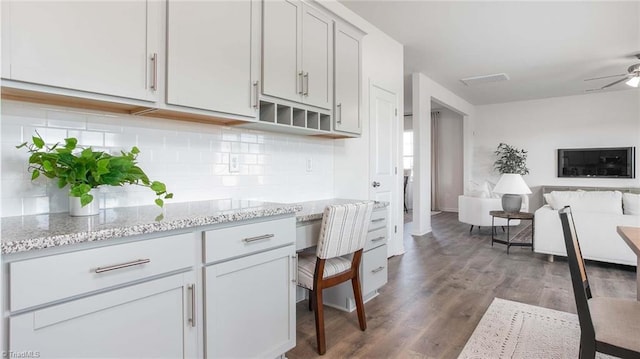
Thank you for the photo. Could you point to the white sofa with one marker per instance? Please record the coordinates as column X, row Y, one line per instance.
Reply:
column 596, row 215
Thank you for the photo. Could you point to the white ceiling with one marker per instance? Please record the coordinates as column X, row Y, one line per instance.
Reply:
column 547, row 48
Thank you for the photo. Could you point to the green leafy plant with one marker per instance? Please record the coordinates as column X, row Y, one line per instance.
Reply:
column 510, row 160
column 84, row 169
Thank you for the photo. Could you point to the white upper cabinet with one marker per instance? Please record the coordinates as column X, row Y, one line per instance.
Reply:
column 213, row 55
column 297, row 53
column 103, row 47
column 348, row 82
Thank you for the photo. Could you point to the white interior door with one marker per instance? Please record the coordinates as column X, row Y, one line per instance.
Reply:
column 383, row 157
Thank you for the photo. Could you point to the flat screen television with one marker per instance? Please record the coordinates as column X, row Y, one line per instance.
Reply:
column 618, row 162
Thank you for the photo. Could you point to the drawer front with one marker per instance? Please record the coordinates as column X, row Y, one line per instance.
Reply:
column 378, row 219
column 374, row 269
column 42, row 280
column 376, row 238
column 237, row 241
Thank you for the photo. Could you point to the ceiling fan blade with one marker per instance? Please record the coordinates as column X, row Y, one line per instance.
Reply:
column 614, row 83
column 604, row 77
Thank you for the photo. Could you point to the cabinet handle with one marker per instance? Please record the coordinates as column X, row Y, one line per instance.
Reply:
column 377, row 239
column 154, row 62
column 122, row 265
column 306, row 88
column 339, row 107
column 300, row 83
column 295, row 268
column 192, row 315
column 377, row 269
column 377, row 220
column 256, row 89
column 258, row 238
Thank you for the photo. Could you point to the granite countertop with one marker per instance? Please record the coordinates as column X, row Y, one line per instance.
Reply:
column 25, row 233
column 312, row 210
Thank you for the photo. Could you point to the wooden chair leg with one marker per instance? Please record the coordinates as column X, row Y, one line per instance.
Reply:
column 357, row 294
column 587, row 350
column 319, row 312
column 310, row 300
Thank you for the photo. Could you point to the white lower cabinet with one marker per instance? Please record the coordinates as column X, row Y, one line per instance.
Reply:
column 151, row 319
column 250, row 301
column 250, row 306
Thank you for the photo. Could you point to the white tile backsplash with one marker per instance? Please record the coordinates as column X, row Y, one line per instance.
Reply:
column 192, row 159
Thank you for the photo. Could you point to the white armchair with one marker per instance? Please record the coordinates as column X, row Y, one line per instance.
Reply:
column 475, row 211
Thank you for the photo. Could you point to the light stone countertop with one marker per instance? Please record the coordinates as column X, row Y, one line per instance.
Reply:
column 312, row 210
column 25, row 233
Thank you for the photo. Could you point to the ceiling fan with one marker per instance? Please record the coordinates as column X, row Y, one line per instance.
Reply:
column 632, row 77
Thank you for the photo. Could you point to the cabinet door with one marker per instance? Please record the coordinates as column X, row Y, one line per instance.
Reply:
column 250, row 306
column 146, row 320
column 92, row 46
column 210, row 55
column 347, row 80
column 317, row 57
column 281, row 49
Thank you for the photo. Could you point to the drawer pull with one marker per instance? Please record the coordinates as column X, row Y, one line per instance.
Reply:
column 377, row 269
column 258, row 238
column 122, row 265
column 154, row 82
column 377, row 220
column 377, row 239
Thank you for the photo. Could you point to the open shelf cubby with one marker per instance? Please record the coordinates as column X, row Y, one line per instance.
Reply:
column 325, row 122
column 267, row 111
column 292, row 118
column 299, row 117
column 284, row 114
column 312, row 120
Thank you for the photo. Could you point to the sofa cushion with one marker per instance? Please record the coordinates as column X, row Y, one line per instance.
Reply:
column 591, row 201
column 631, row 203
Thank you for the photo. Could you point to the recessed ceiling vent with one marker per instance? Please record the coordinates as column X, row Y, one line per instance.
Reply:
column 479, row 80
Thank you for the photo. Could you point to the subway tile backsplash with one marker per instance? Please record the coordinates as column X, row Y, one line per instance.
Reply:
column 191, row 158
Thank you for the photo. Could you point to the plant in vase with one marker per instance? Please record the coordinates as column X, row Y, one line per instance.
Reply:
column 511, row 163
column 85, row 169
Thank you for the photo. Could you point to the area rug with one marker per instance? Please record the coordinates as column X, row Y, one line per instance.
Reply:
column 515, row 330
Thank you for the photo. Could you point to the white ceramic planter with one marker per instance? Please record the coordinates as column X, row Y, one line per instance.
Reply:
column 91, row 209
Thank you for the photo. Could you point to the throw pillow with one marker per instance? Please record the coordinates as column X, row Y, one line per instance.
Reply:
column 591, row 201
column 631, row 203
column 549, row 200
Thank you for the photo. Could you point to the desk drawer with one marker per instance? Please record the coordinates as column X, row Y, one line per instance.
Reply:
column 242, row 240
column 376, row 238
column 374, row 269
column 46, row 279
column 378, row 219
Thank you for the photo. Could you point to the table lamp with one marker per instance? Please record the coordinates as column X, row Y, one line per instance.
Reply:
column 511, row 185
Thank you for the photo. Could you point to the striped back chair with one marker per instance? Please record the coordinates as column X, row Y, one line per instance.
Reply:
column 337, row 259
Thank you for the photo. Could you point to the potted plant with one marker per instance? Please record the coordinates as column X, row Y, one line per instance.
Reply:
column 512, row 164
column 511, row 160
column 85, row 169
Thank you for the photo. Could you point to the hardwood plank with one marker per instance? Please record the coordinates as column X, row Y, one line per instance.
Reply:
column 440, row 288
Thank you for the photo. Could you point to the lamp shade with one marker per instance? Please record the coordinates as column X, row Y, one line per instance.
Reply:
column 511, row 183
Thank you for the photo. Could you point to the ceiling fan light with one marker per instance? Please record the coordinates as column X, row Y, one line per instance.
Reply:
column 634, row 81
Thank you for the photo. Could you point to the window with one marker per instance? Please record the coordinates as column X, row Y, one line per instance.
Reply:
column 407, row 151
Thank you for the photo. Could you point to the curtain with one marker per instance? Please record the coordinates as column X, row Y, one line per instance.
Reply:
column 435, row 116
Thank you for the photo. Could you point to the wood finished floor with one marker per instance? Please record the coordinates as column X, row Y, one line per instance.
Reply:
column 440, row 288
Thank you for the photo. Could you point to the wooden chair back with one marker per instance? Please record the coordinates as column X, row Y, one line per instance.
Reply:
column 581, row 289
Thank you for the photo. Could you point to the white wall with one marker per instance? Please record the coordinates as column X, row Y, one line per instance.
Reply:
column 608, row 119
column 424, row 90
column 191, row 158
column 449, row 161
